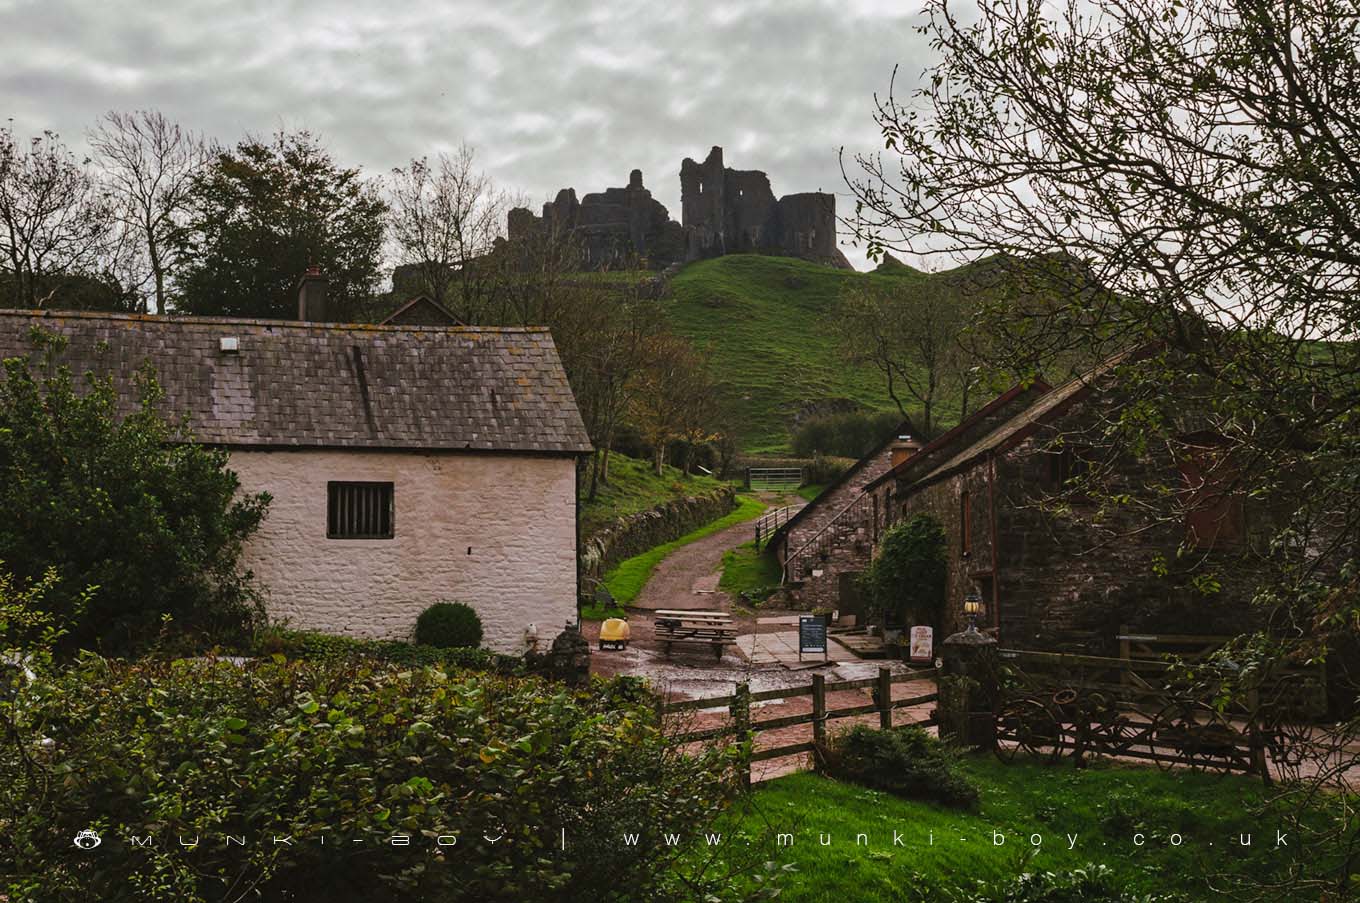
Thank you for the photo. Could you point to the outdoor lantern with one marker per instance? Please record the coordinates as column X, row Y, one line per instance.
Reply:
column 972, row 607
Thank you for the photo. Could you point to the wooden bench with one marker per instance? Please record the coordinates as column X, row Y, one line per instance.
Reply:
column 713, row 628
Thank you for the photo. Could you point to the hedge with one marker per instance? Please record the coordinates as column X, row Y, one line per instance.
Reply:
column 313, row 646
column 351, row 750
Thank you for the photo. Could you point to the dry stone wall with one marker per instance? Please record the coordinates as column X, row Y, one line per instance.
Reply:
column 636, row 533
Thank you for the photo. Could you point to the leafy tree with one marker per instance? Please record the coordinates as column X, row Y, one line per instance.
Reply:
column 260, row 214
column 127, row 504
column 677, row 399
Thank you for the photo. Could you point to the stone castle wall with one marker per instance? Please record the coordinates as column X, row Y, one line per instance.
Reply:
column 723, row 211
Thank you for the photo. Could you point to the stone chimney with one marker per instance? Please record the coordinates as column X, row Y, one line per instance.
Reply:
column 312, row 297
column 904, row 448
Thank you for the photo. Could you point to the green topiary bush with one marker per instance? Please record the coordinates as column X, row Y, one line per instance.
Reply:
column 449, row 625
column 358, row 753
column 905, row 761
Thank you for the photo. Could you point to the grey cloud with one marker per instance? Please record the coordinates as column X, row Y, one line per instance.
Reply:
column 551, row 94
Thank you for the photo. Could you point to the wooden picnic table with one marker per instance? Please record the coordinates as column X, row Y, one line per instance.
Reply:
column 713, row 628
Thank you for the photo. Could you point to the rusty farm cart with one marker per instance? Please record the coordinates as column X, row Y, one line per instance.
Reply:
column 1054, row 705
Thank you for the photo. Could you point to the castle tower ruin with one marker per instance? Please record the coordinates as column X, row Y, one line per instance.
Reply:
column 729, row 211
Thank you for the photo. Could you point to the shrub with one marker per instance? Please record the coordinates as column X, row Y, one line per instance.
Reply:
column 313, row 646
column 905, row 761
column 907, row 576
column 824, row 469
column 127, row 504
column 848, row 435
column 449, row 625
column 345, row 750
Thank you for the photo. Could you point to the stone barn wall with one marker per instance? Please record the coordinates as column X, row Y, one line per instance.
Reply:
column 1059, row 582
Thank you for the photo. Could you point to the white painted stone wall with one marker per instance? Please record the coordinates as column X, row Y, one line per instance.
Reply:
column 495, row 531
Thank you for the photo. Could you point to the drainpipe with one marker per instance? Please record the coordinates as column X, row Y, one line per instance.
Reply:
column 996, row 549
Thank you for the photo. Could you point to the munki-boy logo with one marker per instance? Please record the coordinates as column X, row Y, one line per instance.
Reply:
column 87, row 840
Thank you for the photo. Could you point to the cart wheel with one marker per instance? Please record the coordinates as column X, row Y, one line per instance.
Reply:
column 1168, row 737
column 1026, row 724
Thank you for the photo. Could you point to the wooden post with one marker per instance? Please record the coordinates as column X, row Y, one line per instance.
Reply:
column 741, row 725
column 1257, row 744
column 884, row 698
column 819, row 715
column 1126, row 653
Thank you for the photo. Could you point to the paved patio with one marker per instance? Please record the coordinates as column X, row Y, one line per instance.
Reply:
column 775, row 642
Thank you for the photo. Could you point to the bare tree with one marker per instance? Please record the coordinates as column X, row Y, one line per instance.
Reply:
column 676, row 399
column 150, row 163
column 1185, row 178
column 55, row 218
column 605, row 344
column 446, row 215
column 909, row 331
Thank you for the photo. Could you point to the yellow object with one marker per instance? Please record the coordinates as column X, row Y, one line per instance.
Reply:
column 614, row 630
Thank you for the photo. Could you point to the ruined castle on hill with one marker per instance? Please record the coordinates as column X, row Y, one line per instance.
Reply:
column 722, row 211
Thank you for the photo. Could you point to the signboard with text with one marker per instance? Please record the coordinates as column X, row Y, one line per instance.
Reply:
column 811, row 635
column 922, row 644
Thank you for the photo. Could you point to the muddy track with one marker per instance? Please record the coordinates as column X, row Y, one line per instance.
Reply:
column 688, row 577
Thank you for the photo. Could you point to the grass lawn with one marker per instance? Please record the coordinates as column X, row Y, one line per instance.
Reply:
column 1103, row 807
column 598, row 612
column 633, row 487
column 626, row 580
column 746, row 570
column 811, row 491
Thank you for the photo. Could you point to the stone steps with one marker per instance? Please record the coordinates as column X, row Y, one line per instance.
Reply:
column 862, row 644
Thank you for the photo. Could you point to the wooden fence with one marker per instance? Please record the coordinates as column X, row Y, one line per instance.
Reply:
column 739, row 709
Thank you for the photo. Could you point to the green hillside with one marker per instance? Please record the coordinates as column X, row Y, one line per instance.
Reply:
column 761, row 317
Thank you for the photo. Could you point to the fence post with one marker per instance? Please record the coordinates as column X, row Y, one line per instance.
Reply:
column 741, row 725
column 1257, row 746
column 1126, row 653
column 818, row 716
column 969, row 689
column 884, row 694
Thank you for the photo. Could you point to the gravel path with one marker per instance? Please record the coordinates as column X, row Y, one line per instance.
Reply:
column 688, row 577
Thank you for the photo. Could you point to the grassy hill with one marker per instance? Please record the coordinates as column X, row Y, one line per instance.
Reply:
column 761, row 317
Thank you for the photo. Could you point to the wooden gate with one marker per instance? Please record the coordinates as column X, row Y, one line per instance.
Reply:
column 774, row 479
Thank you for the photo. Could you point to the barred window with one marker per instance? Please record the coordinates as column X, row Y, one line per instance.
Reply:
column 359, row 510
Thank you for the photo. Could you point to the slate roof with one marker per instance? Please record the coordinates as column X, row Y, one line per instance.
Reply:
column 1025, row 422
column 296, row 384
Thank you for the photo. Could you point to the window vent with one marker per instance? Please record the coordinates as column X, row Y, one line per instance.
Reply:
column 359, row 511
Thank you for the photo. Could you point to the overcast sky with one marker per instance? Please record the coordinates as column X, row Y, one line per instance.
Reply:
column 551, row 94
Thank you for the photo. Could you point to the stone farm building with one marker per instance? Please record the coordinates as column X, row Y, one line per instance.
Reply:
column 407, row 464
column 1063, row 577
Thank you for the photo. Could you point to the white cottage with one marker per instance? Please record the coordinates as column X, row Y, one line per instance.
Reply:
column 407, row 464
